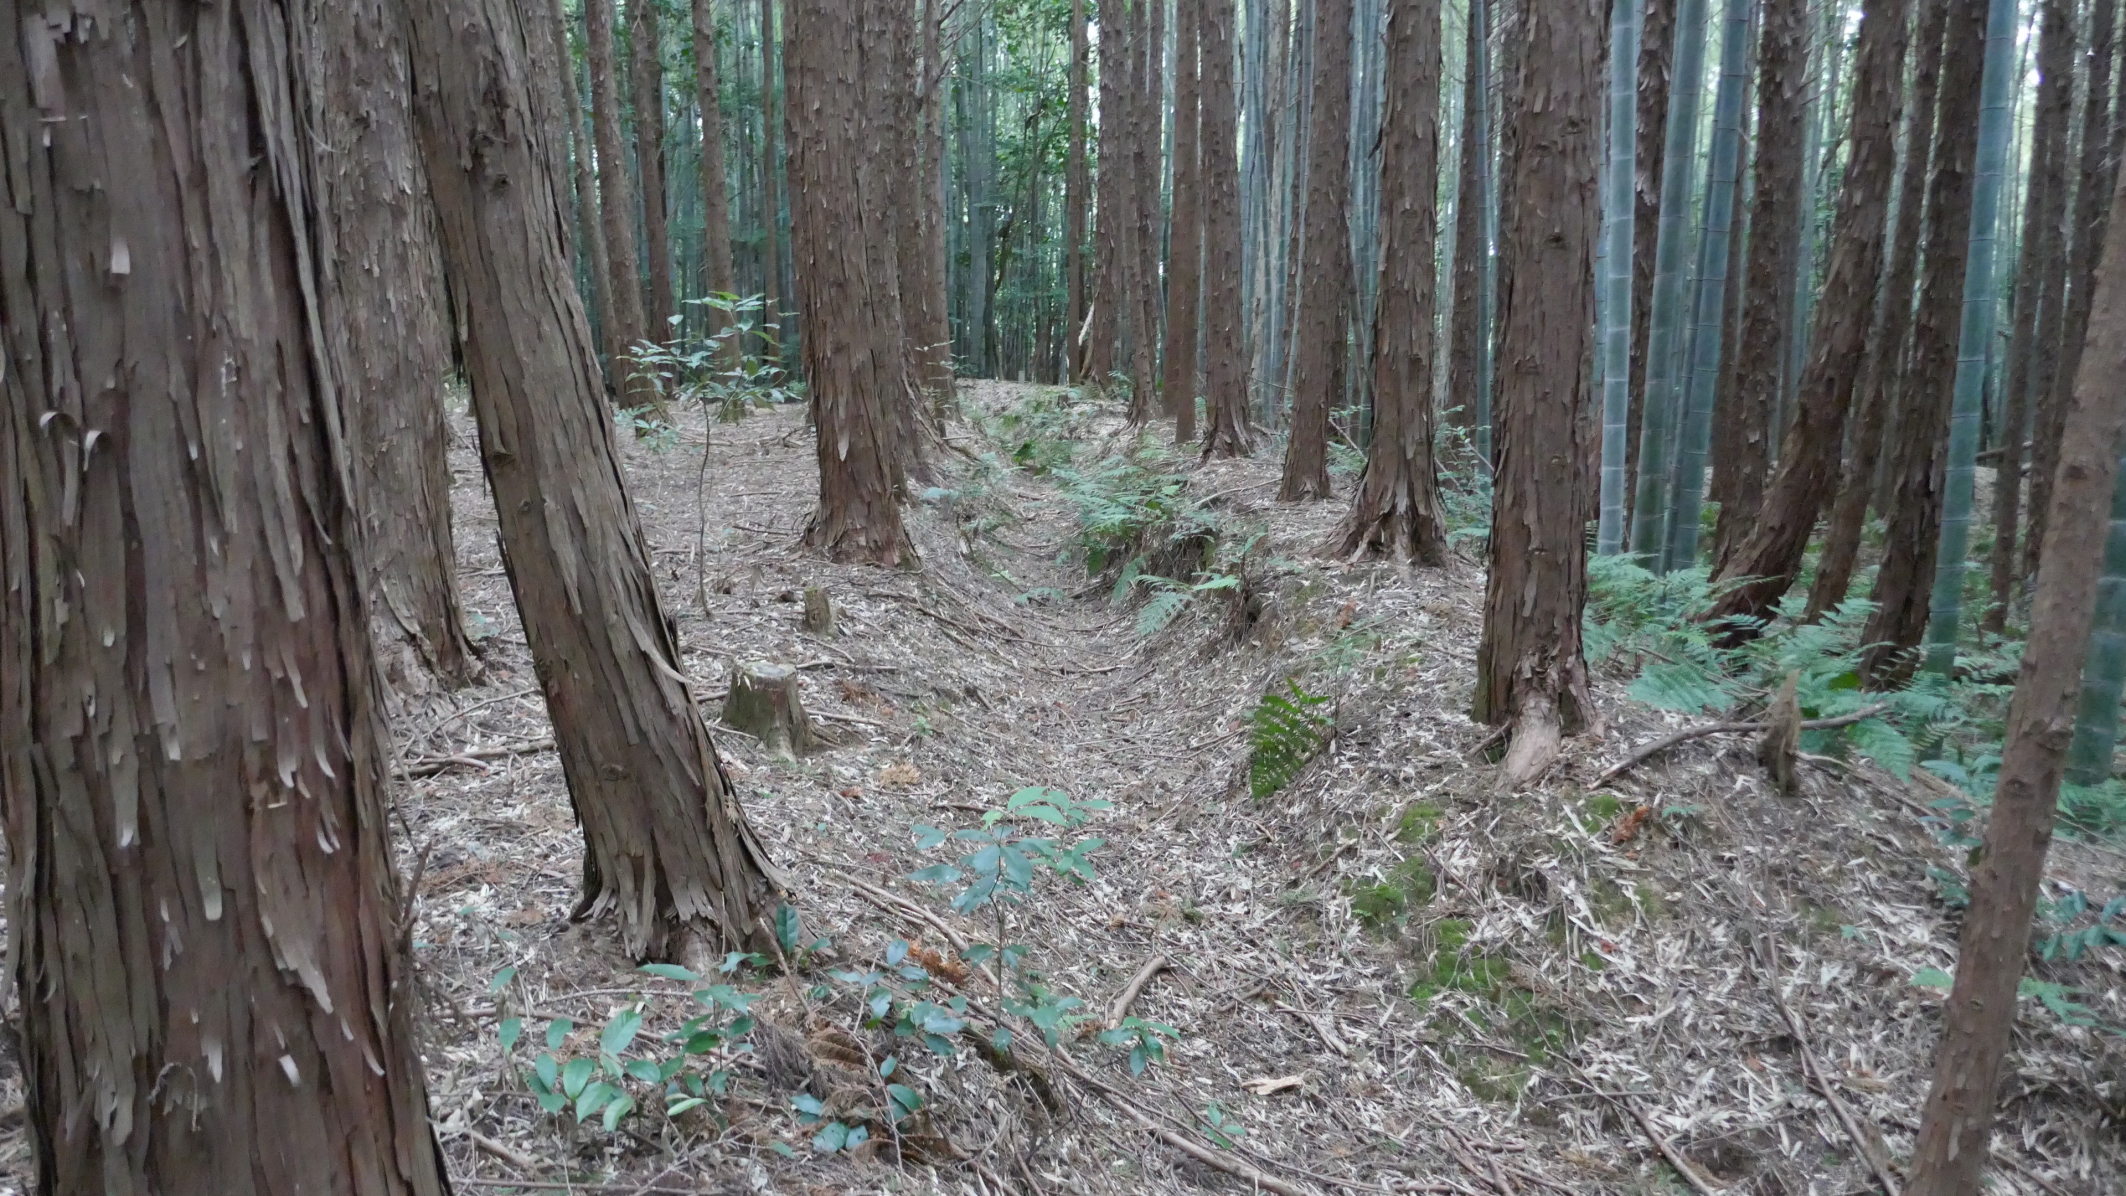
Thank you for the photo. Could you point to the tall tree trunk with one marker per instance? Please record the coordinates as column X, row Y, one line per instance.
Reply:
column 1111, row 278
column 2103, row 142
column 1699, row 391
column 646, row 63
column 719, row 276
column 1147, row 99
column 771, row 178
column 1614, row 284
column 1903, row 585
column 1763, row 567
column 1657, row 56
column 850, row 315
column 666, row 846
column 615, row 204
column 931, row 142
column 1666, row 331
column 1957, row 1123
column 1076, row 185
column 592, row 223
column 1466, row 335
column 1185, row 261
column 1882, row 375
column 388, row 365
column 1974, row 340
column 204, row 921
column 2039, row 291
column 1325, row 277
column 1769, row 279
column 1531, row 676
column 1396, row 512
column 1225, row 346
column 926, row 334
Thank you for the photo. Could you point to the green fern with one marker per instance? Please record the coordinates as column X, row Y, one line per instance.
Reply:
column 1287, row 734
column 1161, row 609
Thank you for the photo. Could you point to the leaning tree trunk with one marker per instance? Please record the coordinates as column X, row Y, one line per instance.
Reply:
column 1764, row 566
column 389, row 361
column 1902, row 585
column 1185, row 261
column 623, row 301
column 1531, row 673
column 646, row 74
column 1979, row 1018
column 666, row 846
column 1882, row 380
column 1660, row 398
column 1225, row 350
column 215, row 980
column 1325, row 275
column 1774, row 250
column 1974, row 341
column 719, row 275
column 1396, row 511
column 852, row 334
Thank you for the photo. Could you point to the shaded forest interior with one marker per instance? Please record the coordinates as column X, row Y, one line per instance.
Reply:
column 1111, row 596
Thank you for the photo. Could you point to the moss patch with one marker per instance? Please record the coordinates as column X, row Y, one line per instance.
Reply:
column 1419, row 823
column 1409, row 887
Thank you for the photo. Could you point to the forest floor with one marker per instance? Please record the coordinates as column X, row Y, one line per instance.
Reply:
column 1386, row 977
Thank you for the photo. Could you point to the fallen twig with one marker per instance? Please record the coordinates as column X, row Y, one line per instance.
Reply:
column 1870, row 1148
column 1675, row 1158
column 488, row 1146
column 428, row 766
column 1120, row 1009
column 1704, row 729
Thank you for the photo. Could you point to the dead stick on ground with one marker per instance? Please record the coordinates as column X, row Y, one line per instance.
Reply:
column 1675, row 1158
column 1699, row 732
column 486, row 1145
column 433, row 765
column 1869, row 1148
column 1120, row 1009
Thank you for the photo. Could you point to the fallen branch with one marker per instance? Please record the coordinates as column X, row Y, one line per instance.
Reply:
column 1701, row 731
column 1120, row 1009
column 1869, row 1147
column 488, row 1146
column 1675, row 1158
column 428, row 766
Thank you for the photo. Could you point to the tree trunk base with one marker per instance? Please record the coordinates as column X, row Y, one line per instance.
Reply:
column 764, row 703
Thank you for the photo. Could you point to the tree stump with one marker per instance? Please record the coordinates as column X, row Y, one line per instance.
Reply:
column 763, row 703
column 819, row 611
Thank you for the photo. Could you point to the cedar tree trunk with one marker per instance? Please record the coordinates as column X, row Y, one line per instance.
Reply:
column 1325, row 273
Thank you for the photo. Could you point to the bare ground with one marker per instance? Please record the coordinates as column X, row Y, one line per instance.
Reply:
column 1390, row 977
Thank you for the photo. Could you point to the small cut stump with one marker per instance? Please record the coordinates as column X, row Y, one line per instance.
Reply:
column 763, row 703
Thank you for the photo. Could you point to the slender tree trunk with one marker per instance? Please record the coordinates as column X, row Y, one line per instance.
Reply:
column 1974, row 340
column 1185, row 264
column 1147, row 98
column 1699, row 389
column 2039, row 290
column 1774, row 250
column 1465, row 335
column 615, row 203
column 592, row 222
column 1764, row 566
column 1111, row 277
column 389, row 361
column 646, row 63
column 2103, row 140
column 931, row 142
column 719, row 276
column 926, row 334
column 1226, row 352
column 1951, row 1152
column 1657, row 56
column 771, row 175
column 1325, row 280
column 1903, row 585
column 216, row 991
column 1531, row 674
column 1882, row 375
column 1076, row 185
column 1615, row 281
column 666, row 846
column 1396, row 512
column 850, row 315
column 1667, row 332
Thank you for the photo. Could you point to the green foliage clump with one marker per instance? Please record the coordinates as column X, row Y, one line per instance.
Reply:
column 1286, row 732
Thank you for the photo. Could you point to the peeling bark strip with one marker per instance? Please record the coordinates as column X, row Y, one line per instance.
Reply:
column 666, row 846
column 1531, row 675
column 215, row 990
